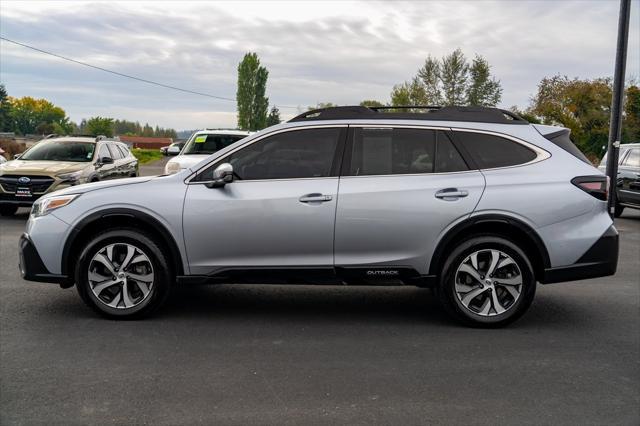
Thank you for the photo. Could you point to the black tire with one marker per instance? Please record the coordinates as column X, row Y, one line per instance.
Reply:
column 617, row 212
column 452, row 299
column 158, row 291
column 8, row 209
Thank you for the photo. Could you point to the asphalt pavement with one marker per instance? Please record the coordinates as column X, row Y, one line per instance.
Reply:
column 304, row 355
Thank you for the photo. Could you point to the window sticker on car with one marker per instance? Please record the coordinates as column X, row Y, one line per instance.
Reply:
column 201, row 139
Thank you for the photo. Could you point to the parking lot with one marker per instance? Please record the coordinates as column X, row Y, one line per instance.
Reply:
column 319, row 355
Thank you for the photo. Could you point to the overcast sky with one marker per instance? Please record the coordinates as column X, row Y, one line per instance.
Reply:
column 340, row 52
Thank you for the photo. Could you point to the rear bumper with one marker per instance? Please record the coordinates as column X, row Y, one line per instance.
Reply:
column 600, row 260
column 31, row 266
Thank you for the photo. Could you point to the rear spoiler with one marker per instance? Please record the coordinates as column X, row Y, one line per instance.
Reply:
column 561, row 137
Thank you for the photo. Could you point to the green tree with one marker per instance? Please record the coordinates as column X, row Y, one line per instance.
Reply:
column 450, row 81
column 147, row 130
column 250, row 96
column 371, row 103
column 45, row 128
column 430, row 75
column 453, row 75
column 6, row 121
column 631, row 122
column 483, row 90
column 526, row 114
column 409, row 93
column 584, row 106
column 96, row 126
column 28, row 113
column 274, row 117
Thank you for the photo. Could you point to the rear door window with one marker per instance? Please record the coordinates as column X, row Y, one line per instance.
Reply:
column 491, row 151
column 448, row 159
column 392, row 151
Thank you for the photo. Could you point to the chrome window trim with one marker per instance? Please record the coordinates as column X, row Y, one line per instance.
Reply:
column 259, row 138
column 412, row 174
column 541, row 154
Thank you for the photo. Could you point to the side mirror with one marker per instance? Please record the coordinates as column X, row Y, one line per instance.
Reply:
column 106, row 160
column 222, row 175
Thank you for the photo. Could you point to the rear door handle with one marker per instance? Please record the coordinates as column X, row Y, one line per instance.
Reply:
column 315, row 198
column 450, row 194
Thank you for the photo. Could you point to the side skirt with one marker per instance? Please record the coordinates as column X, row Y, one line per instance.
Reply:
column 343, row 275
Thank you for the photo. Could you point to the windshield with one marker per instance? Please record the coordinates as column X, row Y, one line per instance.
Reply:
column 208, row 144
column 61, row 151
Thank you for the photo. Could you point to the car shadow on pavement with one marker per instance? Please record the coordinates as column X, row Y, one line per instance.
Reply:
column 380, row 306
column 303, row 302
column 326, row 304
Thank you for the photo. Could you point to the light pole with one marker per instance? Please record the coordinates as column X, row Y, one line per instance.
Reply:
column 615, row 127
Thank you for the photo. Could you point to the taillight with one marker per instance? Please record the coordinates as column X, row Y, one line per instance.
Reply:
column 597, row 186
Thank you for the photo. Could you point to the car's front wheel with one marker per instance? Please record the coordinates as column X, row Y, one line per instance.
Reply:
column 487, row 281
column 122, row 273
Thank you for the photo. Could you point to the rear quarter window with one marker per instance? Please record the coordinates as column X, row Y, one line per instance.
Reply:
column 491, row 151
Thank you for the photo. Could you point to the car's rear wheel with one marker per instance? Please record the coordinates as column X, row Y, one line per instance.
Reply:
column 8, row 210
column 617, row 212
column 122, row 273
column 487, row 281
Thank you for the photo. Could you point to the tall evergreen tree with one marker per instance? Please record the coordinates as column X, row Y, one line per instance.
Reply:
column 454, row 78
column 430, row 76
column 450, row 81
column 6, row 123
column 483, row 90
column 250, row 97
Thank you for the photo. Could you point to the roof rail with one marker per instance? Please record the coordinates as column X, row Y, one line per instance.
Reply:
column 101, row 138
column 409, row 112
column 51, row 135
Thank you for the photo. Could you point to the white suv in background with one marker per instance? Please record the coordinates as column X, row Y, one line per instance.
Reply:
column 200, row 145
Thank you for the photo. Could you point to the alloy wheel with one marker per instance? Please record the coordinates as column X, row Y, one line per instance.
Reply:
column 121, row 276
column 488, row 282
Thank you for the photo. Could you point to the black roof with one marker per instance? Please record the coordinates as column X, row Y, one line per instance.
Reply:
column 447, row 113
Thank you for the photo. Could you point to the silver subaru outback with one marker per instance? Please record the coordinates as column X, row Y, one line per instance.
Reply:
column 476, row 203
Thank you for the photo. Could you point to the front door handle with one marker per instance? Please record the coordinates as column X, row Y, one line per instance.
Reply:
column 315, row 198
column 450, row 194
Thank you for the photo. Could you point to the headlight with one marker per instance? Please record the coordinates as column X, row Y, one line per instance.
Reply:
column 72, row 177
column 44, row 206
column 172, row 167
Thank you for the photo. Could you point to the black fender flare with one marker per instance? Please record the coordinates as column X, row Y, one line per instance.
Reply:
column 487, row 221
column 127, row 214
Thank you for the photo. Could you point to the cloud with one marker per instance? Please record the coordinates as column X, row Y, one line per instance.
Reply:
column 344, row 53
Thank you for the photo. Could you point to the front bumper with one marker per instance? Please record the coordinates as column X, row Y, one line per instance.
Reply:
column 31, row 266
column 11, row 199
column 600, row 260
